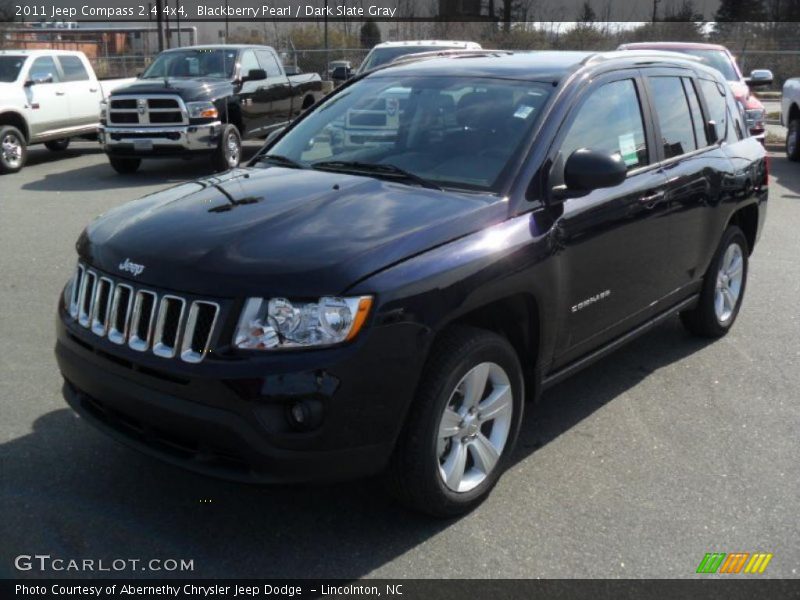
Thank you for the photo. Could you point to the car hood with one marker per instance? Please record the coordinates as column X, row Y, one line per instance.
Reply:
column 188, row 89
column 278, row 231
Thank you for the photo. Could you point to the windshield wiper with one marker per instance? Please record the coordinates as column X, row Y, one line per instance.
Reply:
column 379, row 169
column 283, row 160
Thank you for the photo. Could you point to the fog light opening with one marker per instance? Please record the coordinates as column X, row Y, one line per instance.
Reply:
column 304, row 415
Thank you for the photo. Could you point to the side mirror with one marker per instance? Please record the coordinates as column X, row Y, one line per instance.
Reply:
column 39, row 80
column 255, row 75
column 760, row 77
column 273, row 134
column 712, row 134
column 587, row 170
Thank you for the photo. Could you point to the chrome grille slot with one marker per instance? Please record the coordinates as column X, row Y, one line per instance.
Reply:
column 74, row 301
column 144, row 308
column 86, row 298
column 168, row 324
column 102, row 302
column 121, row 305
column 199, row 327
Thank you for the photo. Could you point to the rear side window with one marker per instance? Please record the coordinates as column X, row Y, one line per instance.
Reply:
column 610, row 120
column 714, row 94
column 73, row 68
column 672, row 111
column 697, row 113
column 42, row 68
column 268, row 63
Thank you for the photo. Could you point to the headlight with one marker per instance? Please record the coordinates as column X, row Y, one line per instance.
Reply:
column 103, row 110
column 201, row 110
column 278, row 323
column 755, row 115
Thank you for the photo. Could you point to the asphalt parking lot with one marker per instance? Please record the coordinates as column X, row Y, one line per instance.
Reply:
column 637, row 467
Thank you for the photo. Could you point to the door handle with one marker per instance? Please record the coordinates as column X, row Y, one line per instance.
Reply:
column 59, row 93
column 652, row 199
column 93, row 90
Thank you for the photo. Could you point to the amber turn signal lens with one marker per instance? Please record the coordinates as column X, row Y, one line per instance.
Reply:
column 361, row 316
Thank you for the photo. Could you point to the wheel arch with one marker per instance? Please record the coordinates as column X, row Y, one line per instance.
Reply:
column 15, row 119
column 517, row 318
column 746, row 219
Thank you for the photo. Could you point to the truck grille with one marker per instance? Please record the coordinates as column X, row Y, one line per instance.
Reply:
column 166, row 325
column 147, row 110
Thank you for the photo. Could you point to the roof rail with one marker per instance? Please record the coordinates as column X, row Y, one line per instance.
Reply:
column 451, row 53
column 642, row 55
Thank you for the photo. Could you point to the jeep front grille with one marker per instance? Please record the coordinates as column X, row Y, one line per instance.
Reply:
column 166, row 324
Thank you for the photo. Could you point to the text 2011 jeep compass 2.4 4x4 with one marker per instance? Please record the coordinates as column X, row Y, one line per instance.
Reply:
column 389, row 308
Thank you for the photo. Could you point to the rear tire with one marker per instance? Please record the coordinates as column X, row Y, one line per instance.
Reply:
column 57, row 145
column 13, row 150
column 462, row 426
column 228, row 152
column 125, row 166
column 793, row 140
column 723, row 288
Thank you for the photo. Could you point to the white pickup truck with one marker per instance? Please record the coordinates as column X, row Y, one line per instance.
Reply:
column 49, row 97
column 790, row 117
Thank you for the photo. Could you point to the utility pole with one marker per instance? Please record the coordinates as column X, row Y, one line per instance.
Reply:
column 655, row 10
column 226, row 21
column 159, row 24
column 178, row 20
column 327, row 57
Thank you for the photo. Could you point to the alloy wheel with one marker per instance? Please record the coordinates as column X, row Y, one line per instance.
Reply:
column 474, row 427
column 12, row 150
column 729, row 283
column 232, row 144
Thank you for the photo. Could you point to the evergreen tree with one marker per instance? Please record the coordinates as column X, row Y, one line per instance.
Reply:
column 370, row 34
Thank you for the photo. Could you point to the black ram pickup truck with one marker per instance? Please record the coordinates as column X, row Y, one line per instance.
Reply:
column 202, row 100
column 388, row 309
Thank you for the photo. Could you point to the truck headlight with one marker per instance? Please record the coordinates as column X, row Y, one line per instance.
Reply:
column 755, row 116
column 201, row 110
column 103, row 110
column 277, row 323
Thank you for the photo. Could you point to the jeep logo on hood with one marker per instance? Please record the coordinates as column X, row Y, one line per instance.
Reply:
column 131, row 267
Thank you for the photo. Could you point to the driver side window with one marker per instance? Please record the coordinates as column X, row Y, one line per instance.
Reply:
column 249, row 62
column 42, row 68
column 610, row 120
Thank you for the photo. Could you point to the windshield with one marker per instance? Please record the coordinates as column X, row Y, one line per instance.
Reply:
column 197, row 62
column 455, row 132
column 381, row 56
column 10, row 67
column 716, row 59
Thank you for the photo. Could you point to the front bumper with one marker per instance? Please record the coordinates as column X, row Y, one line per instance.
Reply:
column 228, row 418
column 145, row 142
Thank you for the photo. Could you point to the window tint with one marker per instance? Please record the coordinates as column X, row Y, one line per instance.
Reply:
column 672, row 110
column 44, row 67
column 268, row 63
column 610, row 120
column 715, row 101
column 73, row 68
column 697, row 114
column 248, row 62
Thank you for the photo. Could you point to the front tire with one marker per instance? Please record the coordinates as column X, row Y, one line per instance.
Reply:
column 228, row 152
column 13, row 150
column 723, row 288
column 463, row 425
column 793, row 140
column 57, row 145
column 124, row 166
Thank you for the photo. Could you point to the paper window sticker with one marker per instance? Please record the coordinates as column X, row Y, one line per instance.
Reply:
column 627, row 148
column 523, row 111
